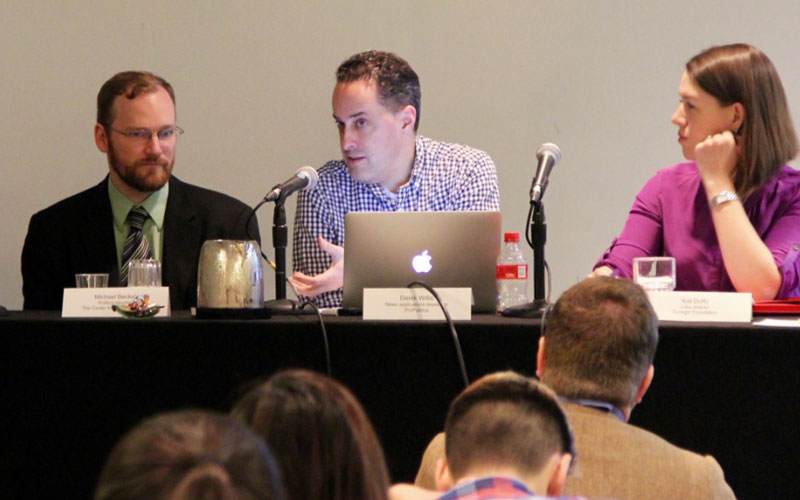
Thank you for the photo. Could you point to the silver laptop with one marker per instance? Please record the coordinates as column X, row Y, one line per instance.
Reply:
column 440, row 249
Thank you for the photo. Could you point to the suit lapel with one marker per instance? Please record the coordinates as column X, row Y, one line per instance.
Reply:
column 96, row 234
column 181, row 247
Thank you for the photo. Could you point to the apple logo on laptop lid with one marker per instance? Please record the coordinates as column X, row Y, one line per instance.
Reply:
column 421, row 263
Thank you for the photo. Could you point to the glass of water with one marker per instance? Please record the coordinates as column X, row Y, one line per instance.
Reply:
column 144, row 272
column 654, row 274
column 91, row 280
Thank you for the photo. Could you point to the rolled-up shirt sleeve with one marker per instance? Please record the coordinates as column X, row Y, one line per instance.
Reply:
column 783, row 240
column 642, row 235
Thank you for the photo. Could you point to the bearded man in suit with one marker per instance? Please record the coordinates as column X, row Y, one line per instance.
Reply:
column 597, row 354
column 87, row 232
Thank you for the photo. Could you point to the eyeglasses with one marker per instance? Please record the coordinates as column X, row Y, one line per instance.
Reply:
column 165, row 134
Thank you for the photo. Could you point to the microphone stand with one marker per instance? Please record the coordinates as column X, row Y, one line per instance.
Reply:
column 280, row 238
column 538, row 239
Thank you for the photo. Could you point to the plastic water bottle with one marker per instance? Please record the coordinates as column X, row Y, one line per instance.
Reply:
column 512, row 274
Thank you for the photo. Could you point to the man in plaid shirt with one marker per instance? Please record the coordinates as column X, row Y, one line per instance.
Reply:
column 385, row 167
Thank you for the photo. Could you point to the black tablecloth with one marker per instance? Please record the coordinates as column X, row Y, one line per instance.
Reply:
column 72, row 386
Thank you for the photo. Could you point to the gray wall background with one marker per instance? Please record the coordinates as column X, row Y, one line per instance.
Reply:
column 254, row 80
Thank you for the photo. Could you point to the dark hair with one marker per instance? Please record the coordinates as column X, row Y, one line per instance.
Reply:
column 505, row 419
column 320, row 435
column 600, row 339
column 742, row 73
column 398, row 84
column 189, row 455
column 131, row 84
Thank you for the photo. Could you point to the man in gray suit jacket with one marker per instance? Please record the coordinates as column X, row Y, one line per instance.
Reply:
column 597, row 354
column 87, row 232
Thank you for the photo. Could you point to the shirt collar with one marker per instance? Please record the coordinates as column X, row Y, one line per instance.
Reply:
column 413, row 180
column 597, row 405
column 155, row 204
column 489, row 487
column 419, row 163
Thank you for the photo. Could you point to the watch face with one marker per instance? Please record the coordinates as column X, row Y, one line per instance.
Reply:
column 723, row 197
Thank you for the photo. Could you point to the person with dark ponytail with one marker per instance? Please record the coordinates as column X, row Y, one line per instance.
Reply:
column 190, row 455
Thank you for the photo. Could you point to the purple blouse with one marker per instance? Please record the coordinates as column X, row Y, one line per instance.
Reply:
column 671, row 217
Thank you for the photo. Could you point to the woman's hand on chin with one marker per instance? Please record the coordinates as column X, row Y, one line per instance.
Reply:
column 716, row 159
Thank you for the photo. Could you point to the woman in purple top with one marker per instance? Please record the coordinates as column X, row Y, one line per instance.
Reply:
column 731, row 215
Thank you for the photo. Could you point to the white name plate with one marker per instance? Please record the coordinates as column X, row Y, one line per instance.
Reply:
column 727, row 307
column 97, row 302
column 416, row 303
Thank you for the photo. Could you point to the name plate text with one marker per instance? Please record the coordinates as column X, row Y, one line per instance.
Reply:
column 97, row 302
column 417, row 303
column 723, row 307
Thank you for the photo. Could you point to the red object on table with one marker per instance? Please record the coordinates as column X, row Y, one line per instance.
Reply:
column 790, row 305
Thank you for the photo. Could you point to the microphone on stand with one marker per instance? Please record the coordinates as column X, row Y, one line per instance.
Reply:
column 305, row 178
column 548, row 155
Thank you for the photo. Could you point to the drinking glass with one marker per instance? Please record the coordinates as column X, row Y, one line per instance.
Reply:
column 91, row 280
column 144, row 272
column 655, row 274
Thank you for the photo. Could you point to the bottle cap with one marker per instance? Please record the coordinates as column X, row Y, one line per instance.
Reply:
column 512, row 238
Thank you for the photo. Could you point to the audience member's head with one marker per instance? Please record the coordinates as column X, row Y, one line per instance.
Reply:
column 320, row 435
column 599, row 343
column 189, row 455
column 505, row 424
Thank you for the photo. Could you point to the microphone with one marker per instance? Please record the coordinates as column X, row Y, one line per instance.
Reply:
column 548, row 155
column 305, row 178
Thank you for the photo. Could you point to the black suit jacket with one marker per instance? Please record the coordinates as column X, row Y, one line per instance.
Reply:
column 76, row 235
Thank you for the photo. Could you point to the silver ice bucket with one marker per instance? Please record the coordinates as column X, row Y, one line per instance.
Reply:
column 229, row 275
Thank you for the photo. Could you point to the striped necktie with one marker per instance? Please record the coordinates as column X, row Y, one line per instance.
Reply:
column 136, row 246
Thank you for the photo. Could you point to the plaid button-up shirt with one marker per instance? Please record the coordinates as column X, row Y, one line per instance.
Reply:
column 493, row 488
column 444, row 177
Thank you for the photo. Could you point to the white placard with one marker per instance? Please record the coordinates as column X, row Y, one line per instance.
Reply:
column 725, row 307
column 416, row 303
column 97, row 302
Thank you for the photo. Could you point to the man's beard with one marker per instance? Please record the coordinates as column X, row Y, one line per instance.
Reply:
column 138, row 177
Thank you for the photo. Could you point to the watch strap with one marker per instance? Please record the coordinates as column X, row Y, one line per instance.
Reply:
column 722, row 197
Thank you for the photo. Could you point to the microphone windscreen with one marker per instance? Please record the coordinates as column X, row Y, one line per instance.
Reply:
column 310, row 174
column 549, row 147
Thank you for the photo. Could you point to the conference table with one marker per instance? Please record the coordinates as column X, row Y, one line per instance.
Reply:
column 72, row 387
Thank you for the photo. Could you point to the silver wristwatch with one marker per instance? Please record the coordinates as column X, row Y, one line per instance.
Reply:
column 722, row 197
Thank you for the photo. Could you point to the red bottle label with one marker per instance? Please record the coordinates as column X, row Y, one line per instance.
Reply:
column 512, row 272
